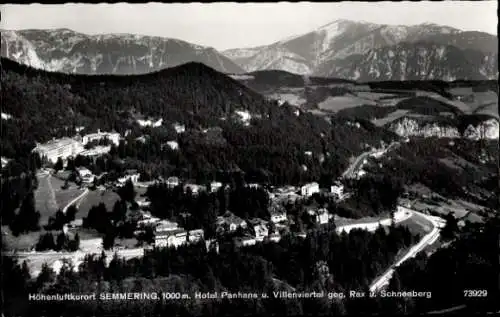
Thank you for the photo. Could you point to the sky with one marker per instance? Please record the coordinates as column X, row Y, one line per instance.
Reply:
column 238, row 25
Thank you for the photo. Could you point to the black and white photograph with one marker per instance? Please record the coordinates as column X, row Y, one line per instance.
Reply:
column 250, row 159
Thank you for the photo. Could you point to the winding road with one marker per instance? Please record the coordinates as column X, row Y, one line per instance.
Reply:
column 85, row 192
column 428, row 239
column 355, row 166
column 402, row 214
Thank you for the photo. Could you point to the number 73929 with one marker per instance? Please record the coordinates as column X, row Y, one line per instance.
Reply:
column 475, row 293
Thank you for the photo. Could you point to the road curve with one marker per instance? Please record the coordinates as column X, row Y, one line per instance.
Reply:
column 400, row 215
column 358, row 162
column 428, row 239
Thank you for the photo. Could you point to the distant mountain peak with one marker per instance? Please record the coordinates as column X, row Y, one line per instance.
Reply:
column 329, row 49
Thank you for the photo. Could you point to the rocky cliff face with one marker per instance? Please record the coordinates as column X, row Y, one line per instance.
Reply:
column 414, row 61
column 406, row 127
column 67, row 51
column 367, row 51
column 486, row 130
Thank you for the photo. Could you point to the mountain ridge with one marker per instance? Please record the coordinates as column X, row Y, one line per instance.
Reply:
column 316, row 52
column 352, row 50
column 68, row 51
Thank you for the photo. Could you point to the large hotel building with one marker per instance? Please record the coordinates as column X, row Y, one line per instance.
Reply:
column 63, row 148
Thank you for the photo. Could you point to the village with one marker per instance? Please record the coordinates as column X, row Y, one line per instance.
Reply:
column 168, row 233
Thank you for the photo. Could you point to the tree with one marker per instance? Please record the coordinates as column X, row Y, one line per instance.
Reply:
column 61, row 241
column 46, row 276
column 97, row 218
column 28, row 218
column 59, row 164
column 74, row 245
column 108, row 241
column 450, row 227
column 70, row 164
column 115, row 269
column 71, row 213
column 45, row 242
column 119, row 211
column 127, row 191
column 148, row 235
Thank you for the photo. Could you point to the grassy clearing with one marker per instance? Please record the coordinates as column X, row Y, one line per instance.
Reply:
column 65, row 196
column 295, row 99
column 45, row 200
column 417, row 225
column 94, row 198
column 334, row 104
column 490, row 109
column 23, row 242
column 374, row 95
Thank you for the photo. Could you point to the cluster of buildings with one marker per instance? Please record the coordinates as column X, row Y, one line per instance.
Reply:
column 254, row 230
column 70, row 147
column 150, row 122
column 167, row 233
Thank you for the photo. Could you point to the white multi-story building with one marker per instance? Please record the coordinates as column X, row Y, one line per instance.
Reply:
column 165, row 226
column 214, row 186
column 59, row 148
column 278, row 216
column 195, row 235
column 150, row 123
column 134, row 178
column 172, row 181
column 309, row 189
column 173, row 238
column 195, row 188
column 338, row 190
column 245, row 241
column 5, row 161
column 259, row 228
column 143, row 203
column 114, row 137
column 275, row 237
column 173, row 145
column 85, row 174
column 179, row 128
column 96, row 151
column 322, row 216
column 253, row 185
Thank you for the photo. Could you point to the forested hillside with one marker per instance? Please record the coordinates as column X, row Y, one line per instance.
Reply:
column 45, row 105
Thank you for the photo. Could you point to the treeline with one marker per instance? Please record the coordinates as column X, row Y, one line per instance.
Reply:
column 366, row 112
column 61, row 242
column 293, row 263
column 265, row 80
